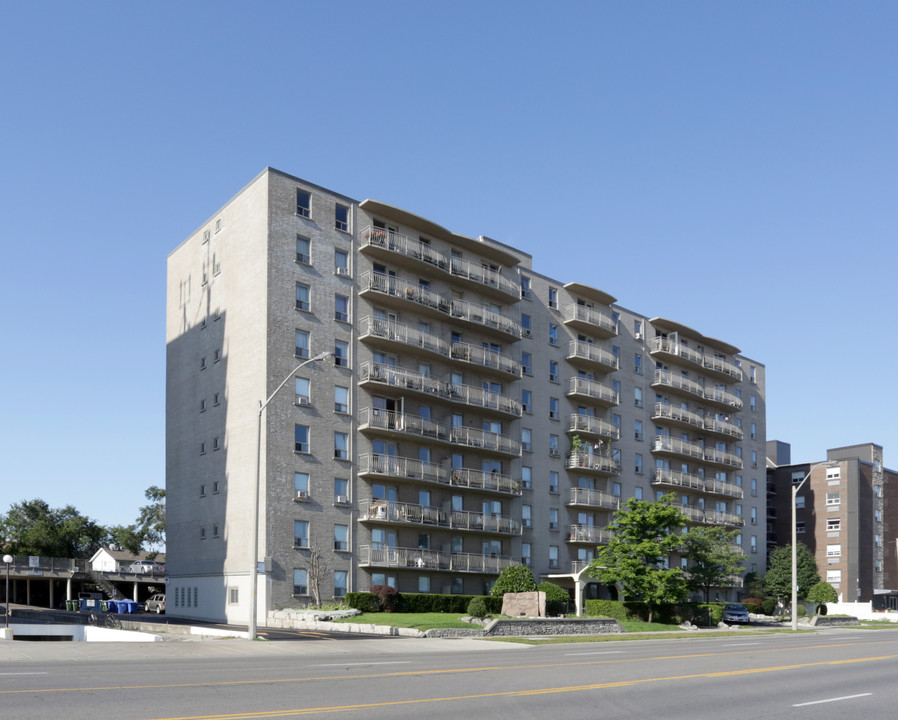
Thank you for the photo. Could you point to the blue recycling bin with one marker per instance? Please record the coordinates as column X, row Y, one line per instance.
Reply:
column 128, row 606
column 113, row 606
column 90, row 605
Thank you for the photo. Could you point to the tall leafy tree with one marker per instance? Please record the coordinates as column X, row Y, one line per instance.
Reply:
column 32, row 527
column 779, row 574
column 150, row 526
column 644, row 534
column 713, row 558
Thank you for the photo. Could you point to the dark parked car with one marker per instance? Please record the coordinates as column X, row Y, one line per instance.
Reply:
column 156, row 604
column 735, row 612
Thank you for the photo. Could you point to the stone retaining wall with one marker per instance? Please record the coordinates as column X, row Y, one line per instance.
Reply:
column 503, row 627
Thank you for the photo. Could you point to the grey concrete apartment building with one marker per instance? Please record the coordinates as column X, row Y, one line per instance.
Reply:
column 475, row 413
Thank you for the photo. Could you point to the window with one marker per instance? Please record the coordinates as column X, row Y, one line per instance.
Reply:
column 526, row 556
column 553, row 334
column 527, row 516
column 341, row 262
column 833, row 551
column 754, row 487
column 526, row 401
column 553, row 298
column 215, row 487
column 754, row 516
column 637, row 425
column 302, row 344
column 341, row 353
column 526, row 325
column 527, row 363
column 203, row 405
column 341, row 217
column 637, row 397
column 616, row 489
column 754, row 458
column 526, row 439
column 217, row 355
column 833, row 525
column 553, row 408
column 833, row 576
column 341, row 537
column 754, row 543
column 202, row 491
column 833, row 473
column 302, row 391
column 553, row 518
column 301, row 484
column 637, row 492
column 797, row 477
column 301, row 438
column 341, row 308
column 340, row 583
column 799, row 502
column 341, row 490
column 833, row 498
column 216, row 443
column 553, row 371
column 215, row 531
column 202, row 363
column 753, row 402
column 216, row 399
column 553, row 445
column 202, row 448
column 300, row 581
column 553, row 482
column 553, row 556
column 341, row 399
column 423, row 584
column 637, row 363
column 302, row 297
column 303, row 250
column 754, row 431
column 877, row 540
column 799, row 526
column 233, row 596
column 525, row 287
column 638, row 468
column 303, row 203
column 341, row 446
column 301, row 533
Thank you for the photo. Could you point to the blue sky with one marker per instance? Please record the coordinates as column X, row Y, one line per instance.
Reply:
column 731, row 166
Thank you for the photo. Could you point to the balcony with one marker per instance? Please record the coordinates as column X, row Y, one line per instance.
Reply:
column 591, row 321
column 393, row 246
column 592, row 426
column 711, row 517
column 578, row 565
column 673, row 350
column 388, row 334
column 593, row 462
column 391, row 466
column 674, row 446
column 401, row 557
column 592, row 355
column 671, row 478
column 596, row 392
column 665, row 378
column 589, row 534
column 383, row 375
column 708, row 423
column 393, row 290
column 402, row 424
column 397, row 513
column 594, row 499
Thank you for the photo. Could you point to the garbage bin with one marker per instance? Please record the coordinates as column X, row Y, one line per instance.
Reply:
column 113, row 606
column 89, row 604
column 128, row 606
column 71, row 605
column 105, row 605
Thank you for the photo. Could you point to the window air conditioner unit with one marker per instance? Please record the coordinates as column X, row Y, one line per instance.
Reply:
column 637, row 336
column 553, row 452
column 342, row 500
column 342, row 270
column 302, row 495
column 303, row 400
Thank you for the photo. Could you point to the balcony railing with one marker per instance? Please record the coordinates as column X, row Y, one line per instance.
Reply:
column 593, row 426
column 695, row 482
column 452, row 307
column 589, row 534
column 664, row 443
column 464, row 394
column 414, row 248
column 595, row 390
column 410, row 514
column 402, row 467
column 430, row 342
column 580, row 350
column 710, row 423
column 416, row 558
column 582, row 315
column 723, row 397
column 595, row 462
column 594, row 498
column 375, row 418
column 711, row 517
column 578, row 565
column 704, row 360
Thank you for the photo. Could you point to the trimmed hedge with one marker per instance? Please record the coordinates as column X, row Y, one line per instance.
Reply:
column 557, row 598
column 669, row 614
column 423, row 602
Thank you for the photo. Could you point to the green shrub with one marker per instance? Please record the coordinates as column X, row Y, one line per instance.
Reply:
column 802, row 611
column 365, row 602
column 434, row 602
column 387, row 596
column 514, row 579
column 606, row 608
column 768, row 606
column 477, row 607
column 557, row 598
column 702, row 612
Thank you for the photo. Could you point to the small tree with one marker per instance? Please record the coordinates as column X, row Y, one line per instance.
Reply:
column 779, row 574
column 713, row 558
column 317, row 566
column 557, row 598
column 822, row 593
column 644, row 534
column 514, row 579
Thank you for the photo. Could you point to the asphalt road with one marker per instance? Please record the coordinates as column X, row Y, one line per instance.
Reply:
column 829, row 674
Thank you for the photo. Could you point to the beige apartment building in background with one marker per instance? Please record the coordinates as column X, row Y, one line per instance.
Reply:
column 475, row 413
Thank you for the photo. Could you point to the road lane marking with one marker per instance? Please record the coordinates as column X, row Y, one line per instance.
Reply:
column 607, row 652
column 367, row 664
column 829, row 700
column 442, row 671
column 26, row 673
column 250, row 715
column 739, row 644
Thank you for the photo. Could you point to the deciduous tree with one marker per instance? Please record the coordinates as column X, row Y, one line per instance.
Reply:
column 779, row 574
column 713, row 558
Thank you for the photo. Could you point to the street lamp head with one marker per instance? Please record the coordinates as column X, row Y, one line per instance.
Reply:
column 8, row 559
column 322, row 356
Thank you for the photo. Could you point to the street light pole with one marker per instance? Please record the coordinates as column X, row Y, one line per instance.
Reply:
column 795, row 489
column 254, row 574
column 8, row 560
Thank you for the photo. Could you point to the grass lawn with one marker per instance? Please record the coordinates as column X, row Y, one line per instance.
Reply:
column 419, row 621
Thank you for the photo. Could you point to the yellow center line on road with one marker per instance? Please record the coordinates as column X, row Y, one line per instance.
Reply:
column 442, row 671
column 514, row 693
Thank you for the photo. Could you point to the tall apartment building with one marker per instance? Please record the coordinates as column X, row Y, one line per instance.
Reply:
column 845, row 515
column 475, row 414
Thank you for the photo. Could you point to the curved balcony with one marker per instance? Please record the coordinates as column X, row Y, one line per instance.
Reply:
column 669, row 349
column 593, row 426
column 674, row 446
column 591, row 321
column 388, row 334
column 711, row 517
column 677, row 416
column 402, row 424
column 395, row 247
column 595, row 391
column 593, row 462
column 393, row 290
column 588, row 354
column 391, row 466
column 674, row 479
column 594, row 499
column 589, row 534
column 416, row 558
column 666, row 378
column 397, row 513
column 383, row 375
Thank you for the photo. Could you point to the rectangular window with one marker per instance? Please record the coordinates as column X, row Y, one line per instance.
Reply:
column 302, row 297
column 341, row 217
column 637, row 397
column 301, row 484
column 797, row 477
column 303, row 396
column 799, row 502
column 301, row 438
column 339, row 583
column 526, row 439
column 833, row 525
column 303, row 203
column 833, row 576
column 341, row 308
column 637, row 363
column 341, row 490
column 526, row 325
column 833, row 498
column 638, row 467
column 553, row 371
column 303, row 250
column 300, row 581
column 833, row 551
column 753, row 402
column 637, row 425
column 553, row 334
column 526, row 477
column 754, row 431
column 341, row 446
column 525, row 287
column 341, row 399
column 553, row 408
column 553, row 446
column 754, row 487
column 301, row 533
column 754, row 543
column 341, row 262
column 341, row 537
column 553, row 556
column 833, row 473
column 553, row 518
column 423, row 584
column 302, row 344
column 526, row 556
column 799, row 526
column 526, row 516
column 527, row 363
column 526, row 401
column 553, row 482
column 341, row 353
column 553, row 298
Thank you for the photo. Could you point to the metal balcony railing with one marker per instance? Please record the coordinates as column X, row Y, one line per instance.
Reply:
column 591, row 316
column 578, row 349
column 589, row 534
column 593, row 426
column 411, row 514
column 417, row 558
column 594, row 498
column 695, row 482
column 711, row 517
column 403, row 467
column 703, row 360
column 595, row 390
column 580, row 460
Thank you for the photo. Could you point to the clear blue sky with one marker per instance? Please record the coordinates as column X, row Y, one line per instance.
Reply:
column 731, row 166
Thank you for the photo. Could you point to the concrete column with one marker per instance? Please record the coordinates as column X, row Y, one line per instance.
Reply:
column 28, row 591
column 68, row 589
column 52, row 583
column 134, row 593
